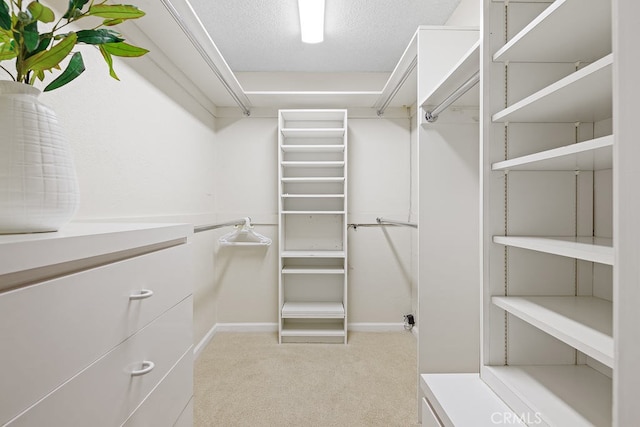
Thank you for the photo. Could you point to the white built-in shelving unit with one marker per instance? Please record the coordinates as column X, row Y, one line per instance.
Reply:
column 559, row 211
column 313, row 225
column 548, row 345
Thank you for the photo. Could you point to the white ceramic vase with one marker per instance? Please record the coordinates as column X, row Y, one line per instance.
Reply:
column 38, row 184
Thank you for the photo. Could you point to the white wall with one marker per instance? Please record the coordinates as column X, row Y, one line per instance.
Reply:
column 246, row 279
column 466, row 14
column 380, row 281
column 137, row 153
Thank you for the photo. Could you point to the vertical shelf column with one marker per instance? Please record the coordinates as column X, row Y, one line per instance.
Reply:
column 312, row 288
column 626, row 227
column 547, row 345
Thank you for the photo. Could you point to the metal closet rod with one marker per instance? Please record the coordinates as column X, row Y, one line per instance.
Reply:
column 432, row 116
column 193, row 39
column 395, row 90
column 392, row 222
column 207, row 227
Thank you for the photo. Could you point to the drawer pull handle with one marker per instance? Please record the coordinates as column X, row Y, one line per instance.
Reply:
column 145, row 293
column 147, row 367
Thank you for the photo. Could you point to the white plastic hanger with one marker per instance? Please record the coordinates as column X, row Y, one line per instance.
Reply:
column 244, row 236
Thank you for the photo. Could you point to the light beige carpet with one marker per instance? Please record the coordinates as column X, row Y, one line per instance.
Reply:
column 247, row 379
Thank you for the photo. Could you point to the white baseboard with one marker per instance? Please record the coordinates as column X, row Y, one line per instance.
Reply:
column 376, row 327
column 232, row 327
column 197, row 349
column 273, row 327
column 246, row 327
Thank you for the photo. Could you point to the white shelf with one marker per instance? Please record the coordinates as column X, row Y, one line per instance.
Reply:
column 585, row 248
column 313, row 212
column 562, row 395
column 583, row 322
column 595, row 154
column 315, row 148
column 312, row 180
column 293, row 329
column 459, row 74
column 313, row 196
column 464, row 400
column 313, row 254
column 312, row 269
column 312, row 133
column 312, row 310
column 557, row 36
column 583, row 96
column 313, row 164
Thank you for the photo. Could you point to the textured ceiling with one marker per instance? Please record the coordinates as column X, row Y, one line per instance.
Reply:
column 360, row 35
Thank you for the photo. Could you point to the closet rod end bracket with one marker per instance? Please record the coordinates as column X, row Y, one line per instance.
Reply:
column 429, row 117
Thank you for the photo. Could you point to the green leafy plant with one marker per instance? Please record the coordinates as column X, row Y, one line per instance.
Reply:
column 33, row 52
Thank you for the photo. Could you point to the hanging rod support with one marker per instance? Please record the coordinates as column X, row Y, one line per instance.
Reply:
column 402, row 223
column 432, row 115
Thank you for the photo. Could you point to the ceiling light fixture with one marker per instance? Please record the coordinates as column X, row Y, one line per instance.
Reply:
column 311, row 20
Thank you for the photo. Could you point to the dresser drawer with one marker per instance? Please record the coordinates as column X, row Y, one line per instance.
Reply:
column 429, row 417
column 106, row 393
column 168, row 400
column 53, row 330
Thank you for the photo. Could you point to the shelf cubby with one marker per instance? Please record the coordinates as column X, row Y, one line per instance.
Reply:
column 315, row 148
column 312, row 269
column 557, row 395
column 312, row 329
column 312, row 179
column 313, row 310
column 313, row 254
column 313, row 132
column 312, row 164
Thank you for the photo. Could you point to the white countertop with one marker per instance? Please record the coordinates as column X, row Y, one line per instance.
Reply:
column 19, row 252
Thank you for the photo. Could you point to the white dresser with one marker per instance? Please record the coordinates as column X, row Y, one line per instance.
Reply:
column 96, row 326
